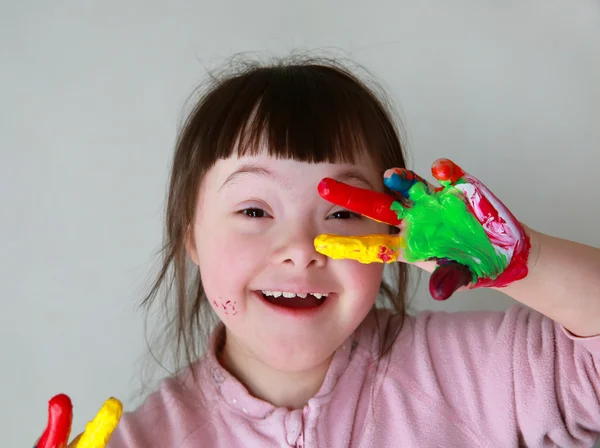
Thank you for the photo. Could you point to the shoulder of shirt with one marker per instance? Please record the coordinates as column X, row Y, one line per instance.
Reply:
column 385, row 326
column 177, row 398
column 403, row 331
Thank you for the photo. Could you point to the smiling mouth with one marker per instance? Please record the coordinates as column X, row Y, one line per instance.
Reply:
column 294, row 300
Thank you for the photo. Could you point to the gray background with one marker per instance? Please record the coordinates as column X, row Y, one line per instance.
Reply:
column 92, row 93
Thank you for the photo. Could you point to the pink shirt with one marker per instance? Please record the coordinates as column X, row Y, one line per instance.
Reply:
column 477, row 379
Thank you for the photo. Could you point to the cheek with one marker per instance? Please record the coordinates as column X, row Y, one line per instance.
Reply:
column 363, row 279
column 227, row 264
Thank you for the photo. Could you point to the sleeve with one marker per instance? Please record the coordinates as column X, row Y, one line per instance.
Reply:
column 557, row 381
column 517, row 373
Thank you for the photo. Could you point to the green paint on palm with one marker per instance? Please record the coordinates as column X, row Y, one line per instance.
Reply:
column 439, row 225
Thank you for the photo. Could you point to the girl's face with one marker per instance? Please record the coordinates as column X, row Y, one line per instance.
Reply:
column 254, row 228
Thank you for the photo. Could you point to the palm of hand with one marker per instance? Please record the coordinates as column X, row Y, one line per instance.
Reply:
column 438, row 226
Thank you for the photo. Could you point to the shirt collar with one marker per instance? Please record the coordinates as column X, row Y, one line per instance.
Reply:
column 235, row 395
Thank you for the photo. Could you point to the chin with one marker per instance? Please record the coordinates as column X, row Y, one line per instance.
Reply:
column 297, row 357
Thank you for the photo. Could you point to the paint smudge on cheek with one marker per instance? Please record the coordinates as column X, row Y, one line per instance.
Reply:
column 227, row 307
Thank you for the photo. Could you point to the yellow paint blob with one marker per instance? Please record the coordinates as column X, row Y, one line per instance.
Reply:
column 98, row 431
column 364, row 249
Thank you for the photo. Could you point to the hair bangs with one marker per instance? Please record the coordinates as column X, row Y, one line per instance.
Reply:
column 305, row 113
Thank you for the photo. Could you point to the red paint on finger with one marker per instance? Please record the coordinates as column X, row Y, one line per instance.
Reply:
column 371, row 204
column 446, row 170
column 58, row 428
column 385, row 253
column 447, row 279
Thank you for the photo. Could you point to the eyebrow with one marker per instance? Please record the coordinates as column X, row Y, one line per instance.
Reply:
column 353, row 174
column 254, row 170
column 259, row 171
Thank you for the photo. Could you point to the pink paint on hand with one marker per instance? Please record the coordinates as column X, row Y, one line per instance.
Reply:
column 504, row 231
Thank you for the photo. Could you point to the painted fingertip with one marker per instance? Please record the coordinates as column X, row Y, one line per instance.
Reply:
column 58, row 428
column 98, row 431
column 447, row 279
column 446, row 170
column 401, row 180
column 325, row 186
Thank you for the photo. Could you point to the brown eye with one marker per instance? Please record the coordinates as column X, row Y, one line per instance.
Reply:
column 254, row 213
column 344, row 214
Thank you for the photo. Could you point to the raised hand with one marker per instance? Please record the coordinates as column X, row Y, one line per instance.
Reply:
column 97, row 432
column 474, row 240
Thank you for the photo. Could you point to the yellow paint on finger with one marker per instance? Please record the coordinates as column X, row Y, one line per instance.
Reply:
column 98, row 431
column 364, row 249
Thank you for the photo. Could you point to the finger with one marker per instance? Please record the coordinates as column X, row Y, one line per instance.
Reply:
column 446, row 171
column 58, row 428
column 74, row 442
column 401, row 180
column 97, row 432
column 364, row 249
column 447, row 279
column 372, row 204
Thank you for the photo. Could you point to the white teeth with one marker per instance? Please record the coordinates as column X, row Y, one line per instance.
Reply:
column 291, row 295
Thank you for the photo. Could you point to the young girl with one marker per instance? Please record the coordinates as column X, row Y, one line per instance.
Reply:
column 301, row 356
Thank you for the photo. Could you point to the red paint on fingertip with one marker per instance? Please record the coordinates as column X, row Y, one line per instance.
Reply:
column 323, row 186
column 58, row 428
column 446, row 170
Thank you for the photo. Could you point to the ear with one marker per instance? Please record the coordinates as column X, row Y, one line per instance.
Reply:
column 190, row 245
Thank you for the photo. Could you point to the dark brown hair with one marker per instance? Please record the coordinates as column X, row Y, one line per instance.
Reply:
column 307, row 110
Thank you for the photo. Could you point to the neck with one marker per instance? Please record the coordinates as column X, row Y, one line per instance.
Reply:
column 290, row 390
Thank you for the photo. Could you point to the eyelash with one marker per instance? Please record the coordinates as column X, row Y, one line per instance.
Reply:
column 249, row 212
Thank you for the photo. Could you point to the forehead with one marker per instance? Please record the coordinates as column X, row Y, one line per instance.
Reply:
column 289, row 173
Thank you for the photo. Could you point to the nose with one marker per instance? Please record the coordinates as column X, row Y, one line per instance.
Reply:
column 297, row 249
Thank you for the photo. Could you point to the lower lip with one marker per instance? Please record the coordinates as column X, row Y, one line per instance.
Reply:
column 304, row 313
